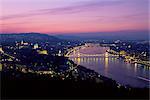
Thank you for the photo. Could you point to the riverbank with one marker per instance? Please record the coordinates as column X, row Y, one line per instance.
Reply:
column 126, row 73
column 130, row 59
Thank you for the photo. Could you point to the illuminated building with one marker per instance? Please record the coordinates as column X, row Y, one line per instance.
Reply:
column 117, row 41
column 22, row 42
column 0, row 67
column 44, row 52
column 25, row 43
column 144, row 53
column 59, row 53
column 36, row 46
column 1, row 50
column 129, row 46
column 123, row 53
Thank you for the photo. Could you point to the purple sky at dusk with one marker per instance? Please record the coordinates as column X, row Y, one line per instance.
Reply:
column 73, row 16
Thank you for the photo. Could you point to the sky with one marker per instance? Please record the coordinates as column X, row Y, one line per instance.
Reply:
column 73, row 16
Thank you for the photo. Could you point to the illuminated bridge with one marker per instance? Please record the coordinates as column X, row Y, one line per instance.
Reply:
column 75, row 53
column 91, row 55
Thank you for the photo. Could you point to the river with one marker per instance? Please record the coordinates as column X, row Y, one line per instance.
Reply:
column 125, row 73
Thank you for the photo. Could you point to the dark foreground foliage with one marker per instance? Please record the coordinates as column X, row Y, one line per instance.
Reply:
column 39, row 87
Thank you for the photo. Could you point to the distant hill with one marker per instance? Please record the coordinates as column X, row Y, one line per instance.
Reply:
column 121, row 35
column 28, row 37
column 70, row 37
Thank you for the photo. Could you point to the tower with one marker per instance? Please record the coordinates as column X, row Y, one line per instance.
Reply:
column 59, row 53
column 106, row 54
column 78, row 54
column 36, row 46
column 22, row 42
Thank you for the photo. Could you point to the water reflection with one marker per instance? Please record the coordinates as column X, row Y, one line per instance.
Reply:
column 106, row 62
column 135, row 67
column 78, row 60
column 117, row 69
column 125, row 73
column 106, row 65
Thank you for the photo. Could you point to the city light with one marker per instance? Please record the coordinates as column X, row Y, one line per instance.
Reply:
column 66, row 49
column 106, row 54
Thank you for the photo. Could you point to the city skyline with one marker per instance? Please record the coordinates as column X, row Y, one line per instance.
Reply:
column 74, row 49
column 71, row 17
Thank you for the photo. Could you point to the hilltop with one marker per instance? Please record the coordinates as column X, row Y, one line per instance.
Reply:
column 28, row 37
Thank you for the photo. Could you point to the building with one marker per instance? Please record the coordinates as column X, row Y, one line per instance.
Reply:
column 0, row 67
column 22, row 42
column 36, row 46
column 1, row 50
column 117, row 41
column 44, row 52
column 59, row 53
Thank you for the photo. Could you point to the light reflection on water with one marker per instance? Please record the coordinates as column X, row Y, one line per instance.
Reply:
column 115, row 68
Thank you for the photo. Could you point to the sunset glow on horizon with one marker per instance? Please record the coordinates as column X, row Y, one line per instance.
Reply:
column 72, row 16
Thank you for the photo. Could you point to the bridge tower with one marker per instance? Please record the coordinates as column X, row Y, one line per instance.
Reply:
column 74, row 52
column 79, row 54
column 106, row 54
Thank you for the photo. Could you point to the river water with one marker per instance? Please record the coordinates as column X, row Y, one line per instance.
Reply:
column 125, row 73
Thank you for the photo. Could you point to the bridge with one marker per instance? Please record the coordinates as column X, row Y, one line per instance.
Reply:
column 74, row 52
column 91, row 55
column 13, row 58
